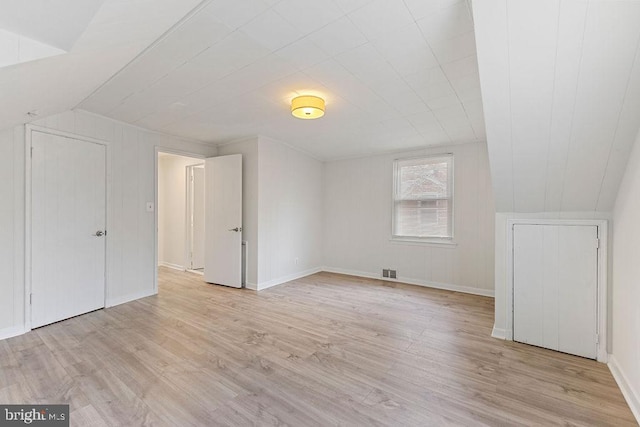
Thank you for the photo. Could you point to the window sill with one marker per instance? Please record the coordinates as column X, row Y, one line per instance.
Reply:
column 416, row 241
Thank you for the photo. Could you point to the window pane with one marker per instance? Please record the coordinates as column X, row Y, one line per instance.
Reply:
column 423, row 180
column 422, row 218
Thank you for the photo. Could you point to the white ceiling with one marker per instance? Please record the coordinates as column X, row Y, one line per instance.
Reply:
column 561, row 93
column 43, row 21
column 119, row 31
column 396, row 74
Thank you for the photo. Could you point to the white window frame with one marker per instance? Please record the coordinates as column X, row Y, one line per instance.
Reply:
column 441, row 240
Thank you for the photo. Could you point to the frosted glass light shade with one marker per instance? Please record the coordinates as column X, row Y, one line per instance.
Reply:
column 307, row 107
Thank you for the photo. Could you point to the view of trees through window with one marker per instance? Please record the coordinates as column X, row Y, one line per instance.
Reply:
column 422, row 197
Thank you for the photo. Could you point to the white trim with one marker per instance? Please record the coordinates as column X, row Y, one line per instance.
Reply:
column 417, row 282
column 189, row 208
column 19, row 216
column 131, row 297
column 631, row 395
column 284, row 279
column 428, row 149
column 416, row 241
column 29, row 129
column 500, row 333
column 602, row 227
column 12, row 331
column 450, row 209
column 172, row 266
column 201, row 273
column 251, row 286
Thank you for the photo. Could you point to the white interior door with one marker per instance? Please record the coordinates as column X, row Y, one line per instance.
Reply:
column 198, row 219
column 555, row 281
column 68, row 218
column 223, row 212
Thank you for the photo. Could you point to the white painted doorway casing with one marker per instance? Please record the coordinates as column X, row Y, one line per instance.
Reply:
column 68, row 227
column 223, row 212
column 195, row 217
column 557, row 285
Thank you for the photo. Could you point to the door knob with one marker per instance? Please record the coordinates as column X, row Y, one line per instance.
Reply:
column 236, row 229
column 99, row 233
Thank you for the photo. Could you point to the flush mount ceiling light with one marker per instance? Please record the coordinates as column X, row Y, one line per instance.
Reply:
column 307, row 107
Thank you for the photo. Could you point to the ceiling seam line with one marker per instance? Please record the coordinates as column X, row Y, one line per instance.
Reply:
column 156, row 42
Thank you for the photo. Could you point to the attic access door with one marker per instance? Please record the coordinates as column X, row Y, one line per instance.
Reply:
column 555, row 287
column 223, row 214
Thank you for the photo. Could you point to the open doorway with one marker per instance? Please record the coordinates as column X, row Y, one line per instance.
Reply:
column 180, row 212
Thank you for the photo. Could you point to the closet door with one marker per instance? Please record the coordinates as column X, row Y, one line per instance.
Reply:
column 68, row 219
column 555, row 283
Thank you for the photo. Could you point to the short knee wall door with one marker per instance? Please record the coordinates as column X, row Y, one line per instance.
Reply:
column 555, row 287
column 68, row 236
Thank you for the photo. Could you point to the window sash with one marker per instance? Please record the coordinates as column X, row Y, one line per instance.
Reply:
column 398, row 200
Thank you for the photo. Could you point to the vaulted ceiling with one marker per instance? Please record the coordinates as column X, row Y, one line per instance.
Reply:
column 100, row 39
column 561, row 91
column 560, row 80
column 395, row 74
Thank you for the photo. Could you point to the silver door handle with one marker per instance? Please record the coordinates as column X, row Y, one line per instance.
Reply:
column 100, row 233
column 236, row 229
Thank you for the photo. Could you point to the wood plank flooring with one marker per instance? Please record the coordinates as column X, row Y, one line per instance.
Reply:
column 323, row 350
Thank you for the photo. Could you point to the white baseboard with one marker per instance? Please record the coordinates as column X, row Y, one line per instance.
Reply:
column 284, row 279
column 130, row 297
column 12, row 331
column 500, row 333
column 173, row 266
column 628, row 391
column 417, row 282
column 251, row 286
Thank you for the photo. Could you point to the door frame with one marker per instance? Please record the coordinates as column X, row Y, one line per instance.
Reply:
column 29, row 129
column 602, row 277
column 157, row 150
column 188, row 253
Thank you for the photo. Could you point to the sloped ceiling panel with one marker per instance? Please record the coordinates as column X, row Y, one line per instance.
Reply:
column 53, row 23
column 119, row 31
column 560, row 84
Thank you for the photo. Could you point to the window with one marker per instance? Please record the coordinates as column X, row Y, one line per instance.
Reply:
column 423, row 198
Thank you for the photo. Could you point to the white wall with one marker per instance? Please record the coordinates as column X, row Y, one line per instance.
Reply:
column 290, row 221
column 130, row 243
column 560, row 87
column 11, row 231
column 625, row 357
column 357, row 211
column 282, row 210
column 172, row 205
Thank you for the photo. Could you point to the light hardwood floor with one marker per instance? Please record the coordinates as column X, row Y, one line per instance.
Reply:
column 323, row 350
